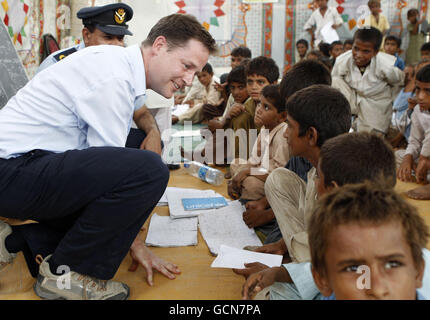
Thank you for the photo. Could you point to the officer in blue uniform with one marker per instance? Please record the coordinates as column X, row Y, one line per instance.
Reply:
column 102, row 25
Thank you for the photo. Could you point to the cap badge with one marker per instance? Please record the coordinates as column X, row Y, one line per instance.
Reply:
column 119, row 16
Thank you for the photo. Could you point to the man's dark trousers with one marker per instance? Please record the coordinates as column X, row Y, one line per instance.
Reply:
column 90, row 204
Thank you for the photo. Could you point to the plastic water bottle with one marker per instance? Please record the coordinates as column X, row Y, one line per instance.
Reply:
column 205, row 173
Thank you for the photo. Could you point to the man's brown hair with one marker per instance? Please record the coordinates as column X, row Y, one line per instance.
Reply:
column 364, row 204
column 178, row 29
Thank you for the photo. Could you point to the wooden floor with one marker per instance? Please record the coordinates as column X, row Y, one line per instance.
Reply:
column 197, row 281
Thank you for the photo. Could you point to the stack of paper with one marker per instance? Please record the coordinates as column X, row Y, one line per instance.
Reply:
column 229, row 257
column 163, row 200
column 225, row 226
column 176, row 207
column 166, row 232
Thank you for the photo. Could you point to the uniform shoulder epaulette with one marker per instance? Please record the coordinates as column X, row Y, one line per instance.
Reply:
column 65, row 53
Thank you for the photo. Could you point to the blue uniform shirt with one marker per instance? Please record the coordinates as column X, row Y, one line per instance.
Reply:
column 83, row 101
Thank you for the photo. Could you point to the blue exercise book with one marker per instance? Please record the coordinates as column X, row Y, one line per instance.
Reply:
column 203, row 203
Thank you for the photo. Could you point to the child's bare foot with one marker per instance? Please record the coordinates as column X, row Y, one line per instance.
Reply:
column 256, row 218
column 231, row 192
column 420, row 193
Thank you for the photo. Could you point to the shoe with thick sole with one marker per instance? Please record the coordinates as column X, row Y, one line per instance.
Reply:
column 75, row 286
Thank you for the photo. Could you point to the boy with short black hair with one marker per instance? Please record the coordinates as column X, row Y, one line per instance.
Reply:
column 260, row 72
column 237, row 55
column 347, row 45
column 425, row 51
column 302, row 47
column 336, row 49
column 270, row 151
column 392, row 46
column 373, row 228
column 369, row 80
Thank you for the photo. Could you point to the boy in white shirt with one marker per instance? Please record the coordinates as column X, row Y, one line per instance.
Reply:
column 319, row 18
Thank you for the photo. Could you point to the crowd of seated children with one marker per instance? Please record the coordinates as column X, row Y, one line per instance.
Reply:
column 415, row 165
column 314, row 115
column 258, row 213
column 369, row 80
column 207, row 94
column 346, row 159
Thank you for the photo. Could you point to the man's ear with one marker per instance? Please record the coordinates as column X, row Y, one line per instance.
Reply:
column 86, row 34
column 322, row 283
column 159, row 43
column 312, row 135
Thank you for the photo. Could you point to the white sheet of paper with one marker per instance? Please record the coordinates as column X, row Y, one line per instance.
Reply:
column 229, row 257
column 179, row 109
column 225, row 226
column 186, row 133
column 175, row 196
column 329, row 34
column 165, row 232
column 163, row 200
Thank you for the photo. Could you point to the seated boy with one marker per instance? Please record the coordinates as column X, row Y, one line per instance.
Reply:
column 346, row 159
column 369, row 81
column 392, row 46
column 366, row 244
column 314, row 114
column 301, row 75
column 336, row 49
column 197, row 98
column 302, row 47
column 417, row 155
column 260, row 72
column 347, row 45
column 425, row 51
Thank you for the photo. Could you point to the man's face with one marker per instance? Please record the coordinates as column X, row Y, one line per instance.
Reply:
column 302, row 49
column 425, row 54
column 171, row 69
column 337, row 50
column 363, row 52
column 98, row 37
column 383, row 250
column 422, row 92
column 297, row 145
column 236, row 61
column 239, row 92
column 204, row 78
column 254, row 84
column 390, row 47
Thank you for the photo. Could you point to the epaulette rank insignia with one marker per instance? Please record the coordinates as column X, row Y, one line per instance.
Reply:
column 63, row 54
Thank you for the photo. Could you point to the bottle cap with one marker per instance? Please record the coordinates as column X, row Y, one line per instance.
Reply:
column 186, row 165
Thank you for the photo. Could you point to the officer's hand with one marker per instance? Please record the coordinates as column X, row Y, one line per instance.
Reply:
column 152, row 142
column 143, row 256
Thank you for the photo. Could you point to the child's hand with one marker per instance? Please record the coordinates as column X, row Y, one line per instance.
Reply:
column 220, row 87
column 236, row 110
column 250, row 268
column 257, row 204
column 231, row 191
column 214, row 124
column 238, row 178
column 412, row 102
column 405, row 170
column 422, row 169
column 256, row 218
column 258, row 281
column 190, row 103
